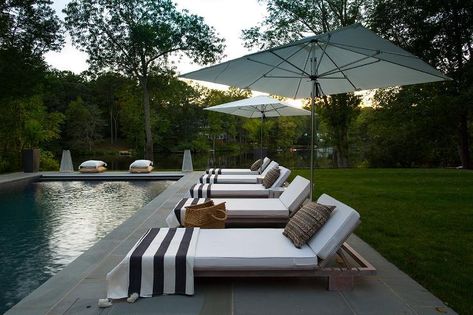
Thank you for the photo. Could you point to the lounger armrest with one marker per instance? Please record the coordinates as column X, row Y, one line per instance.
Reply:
column 275, row 192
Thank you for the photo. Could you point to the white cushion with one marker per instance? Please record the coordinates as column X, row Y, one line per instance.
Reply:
column 238, row 171
column 92, row 164
column 253, row 207
column 241, row 249
column 283, row 176
column 343, row 221
column 141, row 164
column 241, row 190
column 237, row 179
column 295, row 194
column 270, row 166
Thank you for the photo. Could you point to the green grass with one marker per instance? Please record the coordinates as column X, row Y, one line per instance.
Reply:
column 419, row 219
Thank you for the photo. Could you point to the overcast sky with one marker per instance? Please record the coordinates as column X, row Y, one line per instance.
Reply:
column 228, row 17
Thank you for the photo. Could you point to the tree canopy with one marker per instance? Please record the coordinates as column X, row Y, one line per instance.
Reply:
column 137, row 36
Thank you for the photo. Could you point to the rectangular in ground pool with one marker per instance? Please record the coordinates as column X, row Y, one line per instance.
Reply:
column 49, row 224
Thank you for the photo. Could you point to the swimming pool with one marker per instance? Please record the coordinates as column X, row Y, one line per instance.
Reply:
column 48, row 225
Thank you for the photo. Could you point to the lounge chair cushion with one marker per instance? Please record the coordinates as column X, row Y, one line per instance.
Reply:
column 284, row 175
column 141, row 164
column 295, row 193
column 306, row 222
column 271, row 177
column 343, row 221
column 240, row 249
column 230, row 191
column 238, row 207
column 92, row 164
column 256, row 165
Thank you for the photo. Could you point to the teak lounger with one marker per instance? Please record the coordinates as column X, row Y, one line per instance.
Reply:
column 252, row 253
column 252, row 211
column 268, row 253
column 239, row 171
column 235, row 178
column 241, row 190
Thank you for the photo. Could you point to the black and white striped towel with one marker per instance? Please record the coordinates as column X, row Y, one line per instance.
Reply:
column 161, row 262
column 208, row 179
column 214, row 171
column 176, row 216
column 201, row 191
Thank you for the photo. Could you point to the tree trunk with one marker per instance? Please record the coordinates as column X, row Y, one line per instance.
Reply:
column 463, row 144
column 149, row 154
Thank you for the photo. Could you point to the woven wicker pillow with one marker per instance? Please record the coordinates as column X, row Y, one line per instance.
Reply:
column 256, row 165
column 306, row 222
column 271, row 177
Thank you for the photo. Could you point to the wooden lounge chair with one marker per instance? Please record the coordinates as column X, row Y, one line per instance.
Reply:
column 266, row 253
column 236, row 178
column 241, row 190
column 239, row 171
column 252, row 211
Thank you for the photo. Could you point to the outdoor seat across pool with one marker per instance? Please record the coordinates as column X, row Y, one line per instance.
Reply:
column 241, row 190
column 262, row 253
column 251, row 211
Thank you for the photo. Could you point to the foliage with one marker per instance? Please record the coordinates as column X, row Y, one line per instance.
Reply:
column 338, row 112
column 419, row 219
column 136, row 37
column 83, row 124
column 28, row 29
column 441, row 33
column 290, row 20
column 48, row 162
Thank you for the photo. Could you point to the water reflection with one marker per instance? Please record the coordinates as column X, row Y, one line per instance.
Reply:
column 51, row 223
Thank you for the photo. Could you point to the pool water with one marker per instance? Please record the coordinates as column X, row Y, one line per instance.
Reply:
column 48, row 225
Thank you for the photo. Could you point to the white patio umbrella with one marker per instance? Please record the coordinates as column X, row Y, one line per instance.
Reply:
column 346, row 60
column 259, row 107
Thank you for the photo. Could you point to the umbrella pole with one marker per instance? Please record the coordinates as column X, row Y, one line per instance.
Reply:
column 261, row 136
column 312, row 129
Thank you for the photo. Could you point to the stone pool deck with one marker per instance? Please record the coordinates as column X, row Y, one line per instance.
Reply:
column 76, row 289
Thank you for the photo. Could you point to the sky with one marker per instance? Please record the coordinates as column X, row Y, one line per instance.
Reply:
column 228, row 17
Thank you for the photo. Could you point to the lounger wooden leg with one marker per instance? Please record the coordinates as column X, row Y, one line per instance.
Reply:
column 340, row 283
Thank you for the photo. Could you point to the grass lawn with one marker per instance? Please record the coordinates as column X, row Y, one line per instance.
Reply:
column 419, row 219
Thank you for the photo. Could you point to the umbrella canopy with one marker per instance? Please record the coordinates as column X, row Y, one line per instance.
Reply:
column 259, row 107
column 346, row 60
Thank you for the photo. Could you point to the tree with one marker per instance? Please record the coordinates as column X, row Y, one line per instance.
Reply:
column 28, row 29
column 290, row 20
column 339, row 112
column 442, row 33
column 84, row 124
column 135, row 36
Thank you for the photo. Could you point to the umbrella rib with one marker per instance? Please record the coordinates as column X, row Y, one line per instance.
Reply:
column 322, row 55
column 341, row 71
column 305, row 65
column 347, row 46
column 383, row 59
column 290, row 63
column 273, row 67
column 329, row 72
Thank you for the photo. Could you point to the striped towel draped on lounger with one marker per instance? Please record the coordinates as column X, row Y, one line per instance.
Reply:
column 161, row 262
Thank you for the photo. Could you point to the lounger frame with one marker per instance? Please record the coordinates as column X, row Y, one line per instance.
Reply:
column 340, row 277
